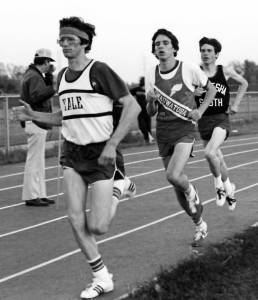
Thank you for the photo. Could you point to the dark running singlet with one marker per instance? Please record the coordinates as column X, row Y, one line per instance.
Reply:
column 171, row 128
column 221, row 101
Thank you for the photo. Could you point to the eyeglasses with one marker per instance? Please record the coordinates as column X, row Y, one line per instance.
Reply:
column 68, row 40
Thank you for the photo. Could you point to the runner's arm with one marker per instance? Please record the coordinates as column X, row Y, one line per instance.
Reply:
column 152, row 104
column 210, row 94
column 25, row 113
column 130, row 111
column 211, row 91
column 241, row 90
column 107, row 82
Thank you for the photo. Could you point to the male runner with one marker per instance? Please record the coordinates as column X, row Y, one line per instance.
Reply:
column 214, row 126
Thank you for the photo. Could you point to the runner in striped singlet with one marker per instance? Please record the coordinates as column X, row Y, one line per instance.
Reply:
column 170, row 93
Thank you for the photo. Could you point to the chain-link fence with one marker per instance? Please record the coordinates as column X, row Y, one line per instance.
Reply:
column 12, row 134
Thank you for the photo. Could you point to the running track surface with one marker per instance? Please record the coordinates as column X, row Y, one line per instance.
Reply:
column 39, row 258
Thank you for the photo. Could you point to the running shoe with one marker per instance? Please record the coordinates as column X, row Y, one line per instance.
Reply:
column 231, row 198
column 98, row 287
column 201, row 232
column 220, row 196
column 129, row 189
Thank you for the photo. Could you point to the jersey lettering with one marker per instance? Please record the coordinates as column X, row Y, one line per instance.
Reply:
column 220, row 88
column 217, row 102
column 221, row 101
column 72, row 103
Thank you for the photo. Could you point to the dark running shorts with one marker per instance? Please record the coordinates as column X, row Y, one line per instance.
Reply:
column 171, row 133
column 167, row 149
column 207, row 124
column 84, row 160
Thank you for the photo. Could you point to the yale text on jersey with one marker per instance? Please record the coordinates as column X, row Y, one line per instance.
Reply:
column 71, row 103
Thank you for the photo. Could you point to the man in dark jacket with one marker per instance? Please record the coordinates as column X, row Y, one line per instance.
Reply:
column 144, row 120
column 37, row 90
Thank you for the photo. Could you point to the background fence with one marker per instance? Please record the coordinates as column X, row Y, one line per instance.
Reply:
column 12, row 134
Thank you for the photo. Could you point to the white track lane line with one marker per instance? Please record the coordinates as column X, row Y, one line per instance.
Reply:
column 139, row 153
column 134, row 176
column 122, row 234
column 123, row 200
column 142, row 161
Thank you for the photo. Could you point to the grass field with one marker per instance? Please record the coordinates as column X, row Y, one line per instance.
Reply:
column 223, row 271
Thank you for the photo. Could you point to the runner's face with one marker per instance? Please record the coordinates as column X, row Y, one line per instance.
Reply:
column 163, row 48
column 71, row 45
column 208, row 55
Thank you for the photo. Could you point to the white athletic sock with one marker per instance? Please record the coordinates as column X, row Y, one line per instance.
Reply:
column 227, row 186
column 218, row 182
column 96, row 264
column 102, row 274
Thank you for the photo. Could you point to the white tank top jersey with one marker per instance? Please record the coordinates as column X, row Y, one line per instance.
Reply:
column 87, row 115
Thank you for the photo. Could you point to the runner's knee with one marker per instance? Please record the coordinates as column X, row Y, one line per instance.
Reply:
column 173, row 176
column 98, row 227
column 210, row 154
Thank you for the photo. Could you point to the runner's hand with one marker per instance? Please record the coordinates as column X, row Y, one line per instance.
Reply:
column 108, row 155
column 151, row 96
column 199, row 91
column 233, row 109
column 23, row 113
column 195, row 115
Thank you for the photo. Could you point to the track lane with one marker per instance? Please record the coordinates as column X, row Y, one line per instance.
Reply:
column 160, row 243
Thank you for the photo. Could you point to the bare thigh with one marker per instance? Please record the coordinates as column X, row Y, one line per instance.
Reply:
column 217, row 139
column 75, row 191
column 179, row 158
column 101, row 201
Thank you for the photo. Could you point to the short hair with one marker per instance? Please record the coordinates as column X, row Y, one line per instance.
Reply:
column 39, row 61
column 170, row 35
column 79, row 23
column 213, row 42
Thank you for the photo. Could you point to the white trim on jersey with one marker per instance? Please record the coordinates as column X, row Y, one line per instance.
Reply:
column 192, row 76
column 87, row 115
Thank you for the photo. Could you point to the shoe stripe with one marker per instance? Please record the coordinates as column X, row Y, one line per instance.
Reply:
column 116, row 192
column 131, row 186
column 99, row 289
column 230, row 200
column 221, row 193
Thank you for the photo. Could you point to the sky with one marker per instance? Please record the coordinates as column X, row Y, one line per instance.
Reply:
column 125, row 28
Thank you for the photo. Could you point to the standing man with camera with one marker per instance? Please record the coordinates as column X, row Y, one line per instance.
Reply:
column 37, row 90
